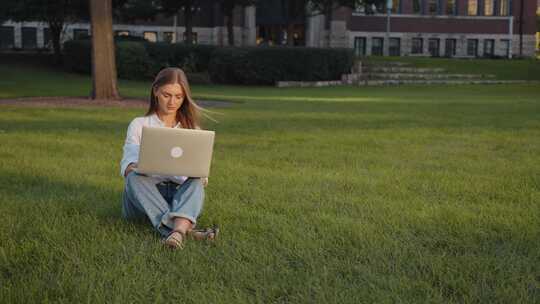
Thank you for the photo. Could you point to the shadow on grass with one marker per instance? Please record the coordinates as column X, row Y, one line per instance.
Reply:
column 35, row 197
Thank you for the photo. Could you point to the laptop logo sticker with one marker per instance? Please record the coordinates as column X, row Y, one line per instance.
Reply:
column 176, row 152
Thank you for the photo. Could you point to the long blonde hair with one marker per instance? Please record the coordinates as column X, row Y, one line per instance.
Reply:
column 189, row 113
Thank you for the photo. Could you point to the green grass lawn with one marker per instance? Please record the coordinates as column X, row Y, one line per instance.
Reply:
column 331, row 195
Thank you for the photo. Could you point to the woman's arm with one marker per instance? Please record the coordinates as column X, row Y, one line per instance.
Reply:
column 131, row 148
column 130, row 167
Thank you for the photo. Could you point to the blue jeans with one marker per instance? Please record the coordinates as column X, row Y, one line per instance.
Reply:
column 161, row 203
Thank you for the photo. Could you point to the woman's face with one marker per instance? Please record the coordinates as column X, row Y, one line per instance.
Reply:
column 170, row 98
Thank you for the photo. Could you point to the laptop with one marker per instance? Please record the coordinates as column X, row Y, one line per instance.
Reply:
column 175, row 152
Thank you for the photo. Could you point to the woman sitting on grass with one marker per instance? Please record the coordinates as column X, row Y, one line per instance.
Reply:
column 171, row 203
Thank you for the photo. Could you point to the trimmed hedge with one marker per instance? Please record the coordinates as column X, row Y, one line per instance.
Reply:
column 132, row 61
column 193, row 58
column 267, row 65
column 223, row 64
column 78, row 56
column 229, row 65
column 140, row 60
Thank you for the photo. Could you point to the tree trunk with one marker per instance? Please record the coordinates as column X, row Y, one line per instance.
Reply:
column 328, row 21
column 230, row 28
column 188, row 17
column 104, row 84
column 290, row 34
column 56, row 30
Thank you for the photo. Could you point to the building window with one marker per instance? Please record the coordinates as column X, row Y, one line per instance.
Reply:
column 450, row 48
column 395, row 47
column 506, row 47
column 472, row 8
column 196, row 39
column 433, row 46
column 378, row 7
column 377, row 46
column 417, row 6
column 80, row 33
column 169, row 37
column 489, row 47
column 488, row 7
column 450, row 7
column 359, row 8
column 150, row 36
column 417, row 46
column 396, row 6
column 121, row 33
column 360, row 46
column 503, row 7
column 472, row 47
column 433, row 6
column 29, row 37
column 7, row 37
column 47, row 42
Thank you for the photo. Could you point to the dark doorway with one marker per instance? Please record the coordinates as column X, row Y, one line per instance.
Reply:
column 277, row 19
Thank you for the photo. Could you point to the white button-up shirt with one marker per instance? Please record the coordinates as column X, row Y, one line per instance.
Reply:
column 133, row 143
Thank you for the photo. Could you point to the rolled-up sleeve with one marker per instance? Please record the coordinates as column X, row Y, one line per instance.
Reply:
column 131, row 145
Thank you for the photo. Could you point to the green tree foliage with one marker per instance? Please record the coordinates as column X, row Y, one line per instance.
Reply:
column 131, row 10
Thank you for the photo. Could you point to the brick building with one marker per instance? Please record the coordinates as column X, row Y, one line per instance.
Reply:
column 453, row 28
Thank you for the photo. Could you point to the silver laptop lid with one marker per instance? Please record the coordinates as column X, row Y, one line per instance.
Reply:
column 173, row 151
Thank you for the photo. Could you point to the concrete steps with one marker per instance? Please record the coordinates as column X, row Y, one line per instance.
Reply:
column 383, row 69
column 363, row 82
column 396, row 73
column 387, row 64
column 427, row 76
column 446, row 81
column 400, row 73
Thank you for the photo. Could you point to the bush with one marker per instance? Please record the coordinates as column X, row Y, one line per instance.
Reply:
column 234, row 65
column 267, row 65
column 194, row 58
column 191, row 58
column 129, row 38
column 160, row 53
column 132, row 61
column 116, row 38
column 78, row 56
column 138, row 60
column 222, row 67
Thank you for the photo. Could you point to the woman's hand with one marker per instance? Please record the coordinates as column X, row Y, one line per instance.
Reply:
column 204, row 181
column 130, row 167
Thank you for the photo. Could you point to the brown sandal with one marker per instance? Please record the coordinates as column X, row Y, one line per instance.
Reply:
column 207, row 234
column 175, row 239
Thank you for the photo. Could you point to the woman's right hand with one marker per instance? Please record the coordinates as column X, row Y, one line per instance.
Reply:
column 130, row 167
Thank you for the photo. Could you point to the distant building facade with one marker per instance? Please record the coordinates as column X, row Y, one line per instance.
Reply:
column 451, row 28
column 208, row 28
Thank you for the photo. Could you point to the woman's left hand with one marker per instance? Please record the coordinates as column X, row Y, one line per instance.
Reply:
column 204, row 181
